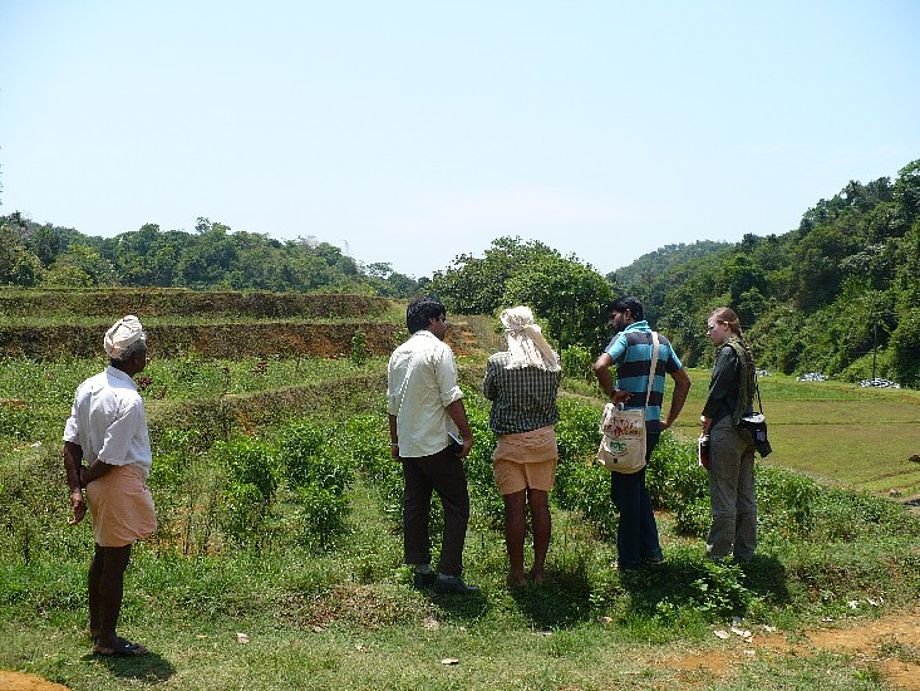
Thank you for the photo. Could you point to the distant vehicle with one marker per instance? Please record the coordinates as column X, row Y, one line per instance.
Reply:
column 811, row 376
column 879, row 383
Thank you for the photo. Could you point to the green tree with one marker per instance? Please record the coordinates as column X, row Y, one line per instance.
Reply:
column 81, row 267
column 476, row 285
column 905, row 349
column 568, row 295
column 18, row 266
column 907, row 190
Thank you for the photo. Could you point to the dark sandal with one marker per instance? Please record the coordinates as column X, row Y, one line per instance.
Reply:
column 122, row 648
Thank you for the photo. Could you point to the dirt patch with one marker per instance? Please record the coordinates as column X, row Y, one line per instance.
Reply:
column 891, row 643
column 14, row 681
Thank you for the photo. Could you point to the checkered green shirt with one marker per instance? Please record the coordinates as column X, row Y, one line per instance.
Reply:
column 522, row 399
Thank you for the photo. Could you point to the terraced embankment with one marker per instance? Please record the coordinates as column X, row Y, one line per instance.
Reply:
column 178, row 302
column 54, row 324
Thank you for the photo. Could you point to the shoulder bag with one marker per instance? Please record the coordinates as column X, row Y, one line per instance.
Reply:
column 623, row 441
column 756, row 425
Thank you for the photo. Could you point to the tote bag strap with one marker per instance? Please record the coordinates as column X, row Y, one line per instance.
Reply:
column 651, row 372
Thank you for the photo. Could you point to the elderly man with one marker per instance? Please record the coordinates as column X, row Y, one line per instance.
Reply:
column 108, row 427
column 430, row 435
column 631, row 351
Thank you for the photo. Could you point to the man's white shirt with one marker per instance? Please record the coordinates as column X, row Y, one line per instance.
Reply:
column 421, row 383
column 108, row 421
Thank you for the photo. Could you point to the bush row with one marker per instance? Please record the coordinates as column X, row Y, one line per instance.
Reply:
column 115, row 302
column 226, row 340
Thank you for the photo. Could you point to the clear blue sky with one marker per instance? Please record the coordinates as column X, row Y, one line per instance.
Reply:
column 410, row 132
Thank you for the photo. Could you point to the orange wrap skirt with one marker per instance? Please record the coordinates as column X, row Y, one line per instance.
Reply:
column 121, row 506
column 526, row 460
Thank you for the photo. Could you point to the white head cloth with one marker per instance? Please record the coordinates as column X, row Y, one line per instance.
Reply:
column 526, row 344
column 124, row 332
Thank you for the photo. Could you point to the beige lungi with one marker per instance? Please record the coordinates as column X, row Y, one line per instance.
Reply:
column 121, row 507
column 526, row 460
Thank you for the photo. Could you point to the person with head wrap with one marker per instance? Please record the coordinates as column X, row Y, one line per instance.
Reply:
column 522, row 383
column 108, row 428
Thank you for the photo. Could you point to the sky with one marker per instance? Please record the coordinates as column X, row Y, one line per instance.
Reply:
column 412, row 132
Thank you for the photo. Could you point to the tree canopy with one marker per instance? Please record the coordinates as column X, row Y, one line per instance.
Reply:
column 812, row 299
column 565, row 292
column 213, row 256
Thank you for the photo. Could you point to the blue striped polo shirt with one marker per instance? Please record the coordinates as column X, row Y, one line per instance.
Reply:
column 631, row 352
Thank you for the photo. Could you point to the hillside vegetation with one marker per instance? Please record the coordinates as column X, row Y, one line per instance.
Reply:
column 277, row 560
column 839, row 295
column 48, row 256
column 817, row 298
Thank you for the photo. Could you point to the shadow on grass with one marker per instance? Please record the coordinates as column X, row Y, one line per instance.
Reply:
column 692, row 583
column 146, row 669
column 766, row 576
column 464, row 607
column 561, row 601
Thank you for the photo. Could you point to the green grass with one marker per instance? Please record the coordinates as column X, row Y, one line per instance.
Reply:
column 346, row 617
column 53, row 383
column 52, row 320
column 859, row 438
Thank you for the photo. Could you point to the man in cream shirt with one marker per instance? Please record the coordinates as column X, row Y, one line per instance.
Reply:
column 430, row 435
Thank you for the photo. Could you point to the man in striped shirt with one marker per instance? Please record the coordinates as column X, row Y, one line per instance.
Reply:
column 631, row 351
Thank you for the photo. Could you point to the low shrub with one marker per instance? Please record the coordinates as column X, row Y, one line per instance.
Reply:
column 487, row 505
column 250, row 478
column 577, row 363
column 319, row 515
column 786, row 501
column 308, row 454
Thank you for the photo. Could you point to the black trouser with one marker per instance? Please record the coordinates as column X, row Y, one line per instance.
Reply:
column 442, row 472
column 637, row 532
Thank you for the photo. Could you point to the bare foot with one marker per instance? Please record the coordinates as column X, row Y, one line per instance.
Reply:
column 516, row 581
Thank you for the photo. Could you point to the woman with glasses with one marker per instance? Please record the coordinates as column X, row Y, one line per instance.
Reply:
column 731, row 450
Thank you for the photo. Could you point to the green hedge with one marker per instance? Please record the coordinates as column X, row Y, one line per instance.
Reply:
column 116, row 302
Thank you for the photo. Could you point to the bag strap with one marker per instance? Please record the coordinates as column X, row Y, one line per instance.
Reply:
column 651, row 372
column 757, row 389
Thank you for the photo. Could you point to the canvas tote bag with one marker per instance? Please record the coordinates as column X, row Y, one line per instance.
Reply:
column 623, row 441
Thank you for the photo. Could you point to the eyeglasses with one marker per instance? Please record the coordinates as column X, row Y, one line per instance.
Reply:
column 710, row 328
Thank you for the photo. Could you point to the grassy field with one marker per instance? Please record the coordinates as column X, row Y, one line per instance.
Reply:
column 277, row 564
column 860, row 438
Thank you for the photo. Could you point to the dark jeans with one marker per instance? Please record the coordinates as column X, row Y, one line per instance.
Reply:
column 442, row 472
column 637, row 532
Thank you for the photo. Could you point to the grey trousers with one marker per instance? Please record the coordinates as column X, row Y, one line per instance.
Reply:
column 731, row 491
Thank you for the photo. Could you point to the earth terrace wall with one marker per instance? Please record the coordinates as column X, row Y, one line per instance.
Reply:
column 227, row 340
column 114, row 303
column 219, row 418
column 337, row 400
column 221, row 340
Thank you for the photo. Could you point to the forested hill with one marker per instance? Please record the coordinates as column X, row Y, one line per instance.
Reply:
column 211, row 257
column 643, row 269
column 812, row 299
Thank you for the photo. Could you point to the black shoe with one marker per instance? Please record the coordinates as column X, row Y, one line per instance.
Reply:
column 423, row 580
column 453, row 585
